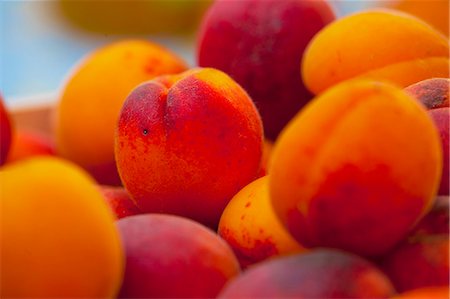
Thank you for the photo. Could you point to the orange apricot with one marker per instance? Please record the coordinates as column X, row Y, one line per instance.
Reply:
column 91, row 99
column 58, row 237
column 425, row 293
column 379, row 45
column 356, row 169
column 249, row 224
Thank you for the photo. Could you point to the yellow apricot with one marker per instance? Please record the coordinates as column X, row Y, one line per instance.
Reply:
column 58, row 237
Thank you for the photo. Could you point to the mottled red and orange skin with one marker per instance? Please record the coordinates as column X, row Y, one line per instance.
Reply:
column 119, row 201
column 342, row 176
column 187, row 148
column 425, row 293
column 320, row 273
column 28, row 144
column 173, row 257
column 434, row 94
column 420, row 261
column 260, row 45
column 5, row 132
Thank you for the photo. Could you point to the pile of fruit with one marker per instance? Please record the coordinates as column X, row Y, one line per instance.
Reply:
column 304, row 156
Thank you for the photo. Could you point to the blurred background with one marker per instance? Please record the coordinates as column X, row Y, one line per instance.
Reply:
column 41, row 41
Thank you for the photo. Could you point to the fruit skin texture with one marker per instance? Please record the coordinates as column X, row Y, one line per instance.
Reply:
column 186, row 144
column 251, row 227
column 92, row 97
column 173, row 257
column 5, row 132
column 421, row 261
column 364, row 184
column 434, row 94
column 28, row 144
column 58, row 237
column 381, row 45
column 264, row 42
column 119, row 201
column 318, row 274
column 425, row 293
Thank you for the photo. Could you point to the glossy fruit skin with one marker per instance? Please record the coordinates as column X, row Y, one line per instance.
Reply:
column 264, row 42
column 169, row 256
column 186, row 144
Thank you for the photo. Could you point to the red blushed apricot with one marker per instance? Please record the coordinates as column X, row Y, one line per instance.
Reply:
column 119, row 201
column 441, row 118
column 421, row 261
column 28, row 144
column 5, row 132
column 349, row 172
column 173, row 257
column 260, row 45
column 318, row 274
column 185, row 145
column 433, row 93
column 380, row 45
column 249, row 224
column 437, row 220
column 425, row 293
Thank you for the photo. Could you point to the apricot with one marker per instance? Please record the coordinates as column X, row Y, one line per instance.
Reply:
column 5, row 132
column 425, row 293
column 318, row 274
column 29, row 144
column 173, row 257
column 119, row 201
column 260, row 45
column 381, row 45
column 356, row 169
column 249, row 224
column 265, row 159
column 58, row 237
column 186, row 144
column 435, row 13
column 421, row 261
column 91, row 99
column 436, row 221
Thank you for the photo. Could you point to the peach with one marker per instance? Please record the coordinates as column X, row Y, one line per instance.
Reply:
column 348, row 171
column 433, row 93
column 421, row 261
column 318, row 274
column 425, row 293
column 91, row 99
column 28, row 144
column 260, row 45
column 5, row 132
column 173, row 257
column 119, row 201
column 186, row 144
column 249, row 224
column 381, row 45
column 58, row 237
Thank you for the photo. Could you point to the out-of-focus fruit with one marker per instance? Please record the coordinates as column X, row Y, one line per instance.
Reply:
column 90, row 103
column 251, row 227
column 434, row 94
column 435, row 12
column 119, row 201
column 187, row 144
column 260, row 45
column 425, row 293
column 318, row 274
column 58, row 237
column 381, row 45
column 29, row 144
column 5, row 132
column 421, row 261
column 131, row 17
column 173, row 257
column 356, row 169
